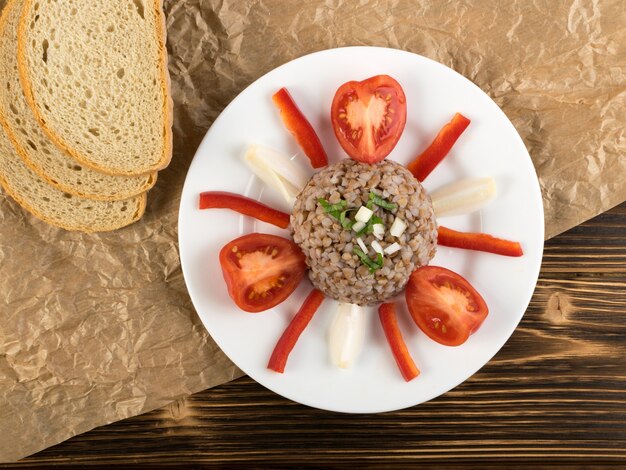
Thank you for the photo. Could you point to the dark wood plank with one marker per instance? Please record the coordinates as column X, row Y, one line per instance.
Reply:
column 556, row 393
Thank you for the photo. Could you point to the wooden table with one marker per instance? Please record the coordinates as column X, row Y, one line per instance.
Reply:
column 556, row 393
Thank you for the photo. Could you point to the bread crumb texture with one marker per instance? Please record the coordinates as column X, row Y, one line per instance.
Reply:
column 95, row 74
column 31, row 143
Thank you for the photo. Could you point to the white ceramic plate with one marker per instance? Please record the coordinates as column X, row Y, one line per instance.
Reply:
column 489, row 147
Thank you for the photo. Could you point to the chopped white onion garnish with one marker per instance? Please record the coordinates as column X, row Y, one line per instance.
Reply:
column 364, row 214
column 398, row 227
column 391, row 249
column 346, row 334
column 277, row 171
column 377, row 247
column 464, row 196
column 379, row 229
column 361, row 243
column 358, row 226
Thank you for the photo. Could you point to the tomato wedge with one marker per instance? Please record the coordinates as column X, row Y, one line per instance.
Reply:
column 290, row 336
column 368, row 117
column 426, row 162
column 444, row 305
column 389, row 321
column 261, row 270
column 300, row 128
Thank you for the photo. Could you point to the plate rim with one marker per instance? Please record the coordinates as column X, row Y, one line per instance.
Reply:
column 537, row 194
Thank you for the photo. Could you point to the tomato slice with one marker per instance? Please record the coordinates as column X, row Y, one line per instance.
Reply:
column 261, row 270
column 368, row 117
column 444, row 305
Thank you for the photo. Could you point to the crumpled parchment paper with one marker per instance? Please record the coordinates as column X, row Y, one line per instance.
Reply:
column 97, row 328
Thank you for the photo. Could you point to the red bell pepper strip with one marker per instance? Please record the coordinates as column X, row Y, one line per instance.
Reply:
column 478, row 242
column 387, row 314
column 243, row 205
column 300, row 128
column 422, row 166
column 290, row 336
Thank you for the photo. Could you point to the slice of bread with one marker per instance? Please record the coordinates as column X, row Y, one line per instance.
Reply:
column 59, row 208
column 31, row 143
column 95, row 75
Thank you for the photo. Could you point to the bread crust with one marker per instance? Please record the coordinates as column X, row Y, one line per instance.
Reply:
column 168, row 102
column 140, row 200
column 23, row 154
column 165, row 88
column 141, row 208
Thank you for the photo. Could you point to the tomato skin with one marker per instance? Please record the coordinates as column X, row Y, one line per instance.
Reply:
column 444, row 305
column 261, row 270
column 368, row 117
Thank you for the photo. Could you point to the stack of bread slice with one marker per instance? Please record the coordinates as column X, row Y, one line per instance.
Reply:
column 85, row 110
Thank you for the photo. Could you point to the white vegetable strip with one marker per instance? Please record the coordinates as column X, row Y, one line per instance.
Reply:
column 391, row 249
column 464, row 196
column 377, row 247
column 361, row 243
column 397, row 227
column 363, row 214
column 346, row 334
column 276, row 170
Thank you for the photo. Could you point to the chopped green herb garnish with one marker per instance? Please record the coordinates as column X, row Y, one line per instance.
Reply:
column 369, row 226
column 328, row 207
column 381, row 202
column 333, row 209
column 345, row 221
column 367, row 261
column 373, row 221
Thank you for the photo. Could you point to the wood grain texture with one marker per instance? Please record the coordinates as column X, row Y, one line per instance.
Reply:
column 556, row 393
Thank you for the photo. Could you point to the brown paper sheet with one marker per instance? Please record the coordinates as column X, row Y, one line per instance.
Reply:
column 96, row 328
